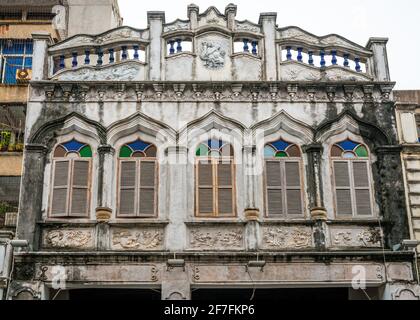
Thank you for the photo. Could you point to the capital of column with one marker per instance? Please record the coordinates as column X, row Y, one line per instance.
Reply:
column 106, row 149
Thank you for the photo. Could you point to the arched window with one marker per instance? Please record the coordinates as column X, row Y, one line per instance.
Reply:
column 215, row 180
column 71, row 180
column 137, row 180
column 352, row 179
column 283, row 181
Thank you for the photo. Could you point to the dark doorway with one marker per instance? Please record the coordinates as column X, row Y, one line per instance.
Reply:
column 114, row 294
column 330, row 294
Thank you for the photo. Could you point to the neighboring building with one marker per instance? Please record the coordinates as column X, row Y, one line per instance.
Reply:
column 20, row 20
column 408, row 123
column 197, row 157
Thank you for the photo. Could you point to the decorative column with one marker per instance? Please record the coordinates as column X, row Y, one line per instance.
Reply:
column 176, row 232
column 252, row 213
column 30, row 204
column 315, row 194
column 40, row 55
column 268, row 22
column 193, row 12
column 378, row 64
column 155, row 19
column 230, row 13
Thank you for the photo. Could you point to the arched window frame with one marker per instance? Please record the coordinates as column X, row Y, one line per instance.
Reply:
column 282, row 153
column 353, row 153
column 141, row 154
column 75, row 154
column 205, row 156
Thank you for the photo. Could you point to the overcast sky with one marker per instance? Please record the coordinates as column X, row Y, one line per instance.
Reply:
column 356, row 20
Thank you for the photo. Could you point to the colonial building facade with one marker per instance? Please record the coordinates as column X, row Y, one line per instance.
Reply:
column 208, row 157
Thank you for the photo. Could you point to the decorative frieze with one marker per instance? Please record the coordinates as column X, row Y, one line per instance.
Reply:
column 284, row 238
column 140, row 239
column 357, row 237
column 69, row 239
column 216, row 238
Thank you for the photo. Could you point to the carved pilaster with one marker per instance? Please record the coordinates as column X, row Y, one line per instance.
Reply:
column 106, row 154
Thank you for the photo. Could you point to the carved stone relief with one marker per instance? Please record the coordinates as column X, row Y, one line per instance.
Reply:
column 69, row 239
column 146, row 239
column 121, row 72
column 212, row 54
column 356, row 237
column 246, row 26
column 178, row 25
column 287, row 238
column 216, row 238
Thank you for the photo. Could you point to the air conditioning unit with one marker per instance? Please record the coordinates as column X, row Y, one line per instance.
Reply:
column 23, row 75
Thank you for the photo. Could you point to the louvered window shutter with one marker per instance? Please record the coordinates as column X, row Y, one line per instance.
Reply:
column 293, row 186
column 342, row 188
column 362, row 188
column 127, row 183
column 80, row 188
column 205, row 185
column 60, row 188
column 274, row 182
column 225, row 187
column 147, row 189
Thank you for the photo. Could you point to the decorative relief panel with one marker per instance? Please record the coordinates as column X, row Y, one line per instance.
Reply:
column 216, row 238
column 342, row 237
column 139, row 239
column 69, row 239
column 177, row 25
column 281, row 238
column 247, row 26
column 128, row 71
column 213, row 54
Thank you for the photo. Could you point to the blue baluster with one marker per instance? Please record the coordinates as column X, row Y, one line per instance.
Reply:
column 100, row 57
column 334, row 57
column 254, row 47
column 87, row 57
column 74, row 61
column 179, row 46
column 323, row 62
column 289, row 53
column 124, row 55
column 62, row 62
column 311, row 58
column 136, row 52
column 346, row 60
column 246, row 47
column 358, row 66
column 111, row 56
column 172, row 47
column 299, row 56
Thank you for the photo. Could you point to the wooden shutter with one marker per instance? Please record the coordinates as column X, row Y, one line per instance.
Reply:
column 127, row 183
column 293, row 185
column 362, row 188
column 60, row 188
column 205, row 186
column 342, row 188
column 80, row 188
column 147, row 189
column 274, row 181
column 225, row 187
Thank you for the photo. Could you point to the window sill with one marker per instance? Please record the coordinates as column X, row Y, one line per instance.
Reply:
column 356, row 221
column 215, row 221
column 301, row 221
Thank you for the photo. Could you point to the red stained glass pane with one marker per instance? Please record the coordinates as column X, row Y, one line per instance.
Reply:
column 60, row 152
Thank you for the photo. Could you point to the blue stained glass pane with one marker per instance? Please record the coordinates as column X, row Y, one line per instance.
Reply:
column 29, row 47
column 11, row 66
column 14, row 47
column 281, row 145
column 139, row 145
column 215, row 144
column 73, row 146
column 28, row 63
column 348, row 145
column 269, row 152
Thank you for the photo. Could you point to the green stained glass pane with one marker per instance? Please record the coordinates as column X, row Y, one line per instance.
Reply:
column 282, row 154
column 125, row 152
column 362, row 152
column 86, row 152
column 269, row 152
column 202, row 150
